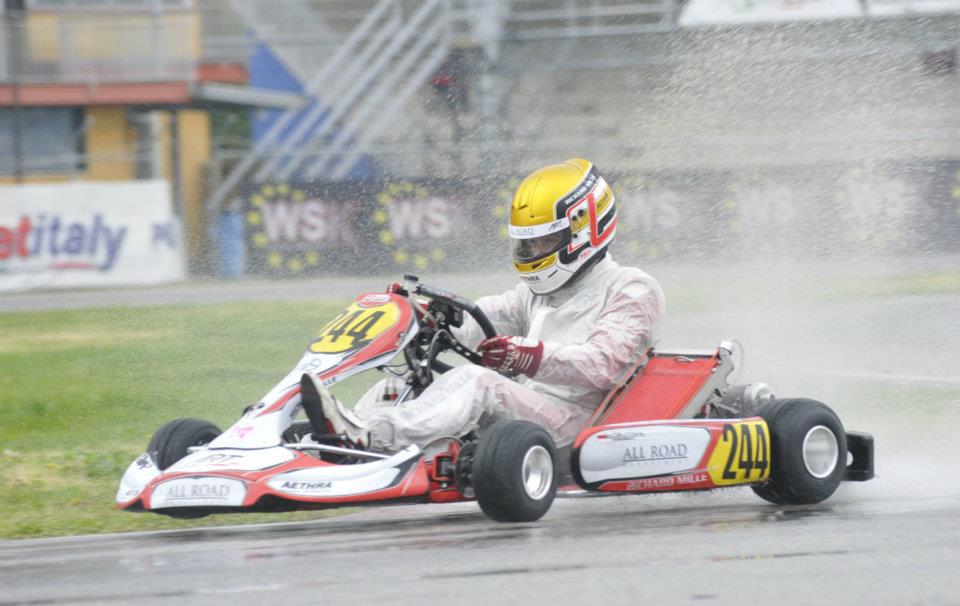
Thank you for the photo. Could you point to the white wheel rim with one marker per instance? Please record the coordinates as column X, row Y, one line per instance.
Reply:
column 820, row 451
column 537, row 472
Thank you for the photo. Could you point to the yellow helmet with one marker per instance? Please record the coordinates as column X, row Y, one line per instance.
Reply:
column 562, row 216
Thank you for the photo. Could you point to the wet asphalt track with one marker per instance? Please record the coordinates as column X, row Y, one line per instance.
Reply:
column 889, row 365
column 721, row 548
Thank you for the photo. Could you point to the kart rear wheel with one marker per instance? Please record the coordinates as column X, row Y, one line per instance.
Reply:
column 515, row 471
column 808, row 452
column 172, row 441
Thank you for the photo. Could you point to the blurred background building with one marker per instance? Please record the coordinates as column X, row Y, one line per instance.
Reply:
column 293, row 132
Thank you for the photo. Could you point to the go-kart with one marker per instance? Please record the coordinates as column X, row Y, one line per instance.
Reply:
column 674, row 423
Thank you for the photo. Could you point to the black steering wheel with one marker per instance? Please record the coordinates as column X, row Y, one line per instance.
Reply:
column 445, row 339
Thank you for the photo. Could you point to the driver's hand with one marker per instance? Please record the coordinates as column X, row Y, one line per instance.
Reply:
column 394, row 287
column 511, row 354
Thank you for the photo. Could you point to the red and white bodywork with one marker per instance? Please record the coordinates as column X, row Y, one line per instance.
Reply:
column 248, row 467
column 644, row 437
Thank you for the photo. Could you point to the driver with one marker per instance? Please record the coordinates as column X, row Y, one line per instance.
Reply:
column 568, row 331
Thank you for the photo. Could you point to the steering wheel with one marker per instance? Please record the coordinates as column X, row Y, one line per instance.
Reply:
column 448, row 339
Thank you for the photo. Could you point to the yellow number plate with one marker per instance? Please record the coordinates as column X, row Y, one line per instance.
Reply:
column 742, row 454
column 355, row 327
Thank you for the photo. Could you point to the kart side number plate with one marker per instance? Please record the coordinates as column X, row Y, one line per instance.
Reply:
column 192, row 492
column 742, row 454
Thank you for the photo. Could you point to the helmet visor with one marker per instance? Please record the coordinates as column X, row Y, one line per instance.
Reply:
column 531, row 249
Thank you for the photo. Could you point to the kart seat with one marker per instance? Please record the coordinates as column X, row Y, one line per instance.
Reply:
column 667, row 385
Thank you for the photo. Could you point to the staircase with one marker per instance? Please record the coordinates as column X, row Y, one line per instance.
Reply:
column 363, row 61
column 299, row 34
column 358, row 72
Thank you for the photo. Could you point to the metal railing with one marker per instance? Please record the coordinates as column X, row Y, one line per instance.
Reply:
column 164, row 40
column 312, row 27
column 226, row 36
column 538, row 19
column 85, row 48
column 107, row 5
column 355, row 93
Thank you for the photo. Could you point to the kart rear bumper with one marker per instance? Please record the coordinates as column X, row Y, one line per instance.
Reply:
column 860, row 447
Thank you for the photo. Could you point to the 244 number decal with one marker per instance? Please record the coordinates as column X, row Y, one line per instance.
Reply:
column 742, row 454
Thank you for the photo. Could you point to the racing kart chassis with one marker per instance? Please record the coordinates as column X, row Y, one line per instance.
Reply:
column 674, row 423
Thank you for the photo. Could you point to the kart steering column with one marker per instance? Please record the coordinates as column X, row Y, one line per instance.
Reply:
column 457, row 301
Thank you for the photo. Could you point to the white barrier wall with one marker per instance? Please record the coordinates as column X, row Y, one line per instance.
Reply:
column 88, row 234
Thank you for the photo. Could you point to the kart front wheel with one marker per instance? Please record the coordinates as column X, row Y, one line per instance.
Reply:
column 515, row 471
column 172, row 441
column 808, row 452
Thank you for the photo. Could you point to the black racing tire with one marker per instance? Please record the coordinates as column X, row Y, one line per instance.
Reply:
column 795, row 480
column 515, row 471
column 171, row 442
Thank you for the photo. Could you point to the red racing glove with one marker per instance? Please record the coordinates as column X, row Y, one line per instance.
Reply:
column 394, row 287
column 511, row 354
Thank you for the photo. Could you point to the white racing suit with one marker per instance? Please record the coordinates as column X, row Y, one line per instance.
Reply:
column 592, row 331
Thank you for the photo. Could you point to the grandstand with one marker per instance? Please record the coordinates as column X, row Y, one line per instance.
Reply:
column 627, row 83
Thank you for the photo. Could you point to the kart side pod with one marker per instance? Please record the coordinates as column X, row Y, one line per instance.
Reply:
column 798, row 457
column 654, row 456
column 643, row 437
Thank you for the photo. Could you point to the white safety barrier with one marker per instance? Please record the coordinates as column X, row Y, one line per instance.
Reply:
column 88, row 234
column 725, row 12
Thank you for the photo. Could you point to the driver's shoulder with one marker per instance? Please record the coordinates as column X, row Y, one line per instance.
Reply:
column 633, row 282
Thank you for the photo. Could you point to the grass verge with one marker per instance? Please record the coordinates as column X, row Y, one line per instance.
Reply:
column 81, row 393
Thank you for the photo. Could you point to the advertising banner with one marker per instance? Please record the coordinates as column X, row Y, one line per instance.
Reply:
column 452, row 225
column 362, row 227
column 725, row 12
column 88, row 234
column 898, row 8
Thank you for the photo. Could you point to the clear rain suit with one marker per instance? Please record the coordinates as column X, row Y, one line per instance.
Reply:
column 593, row 330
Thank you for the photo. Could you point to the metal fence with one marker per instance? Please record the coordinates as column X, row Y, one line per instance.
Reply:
column 91, row 47
column 161, row 40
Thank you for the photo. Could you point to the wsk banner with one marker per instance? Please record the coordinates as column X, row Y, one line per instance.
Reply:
column 358, row 227
column 88, row 234
column 370, row 227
